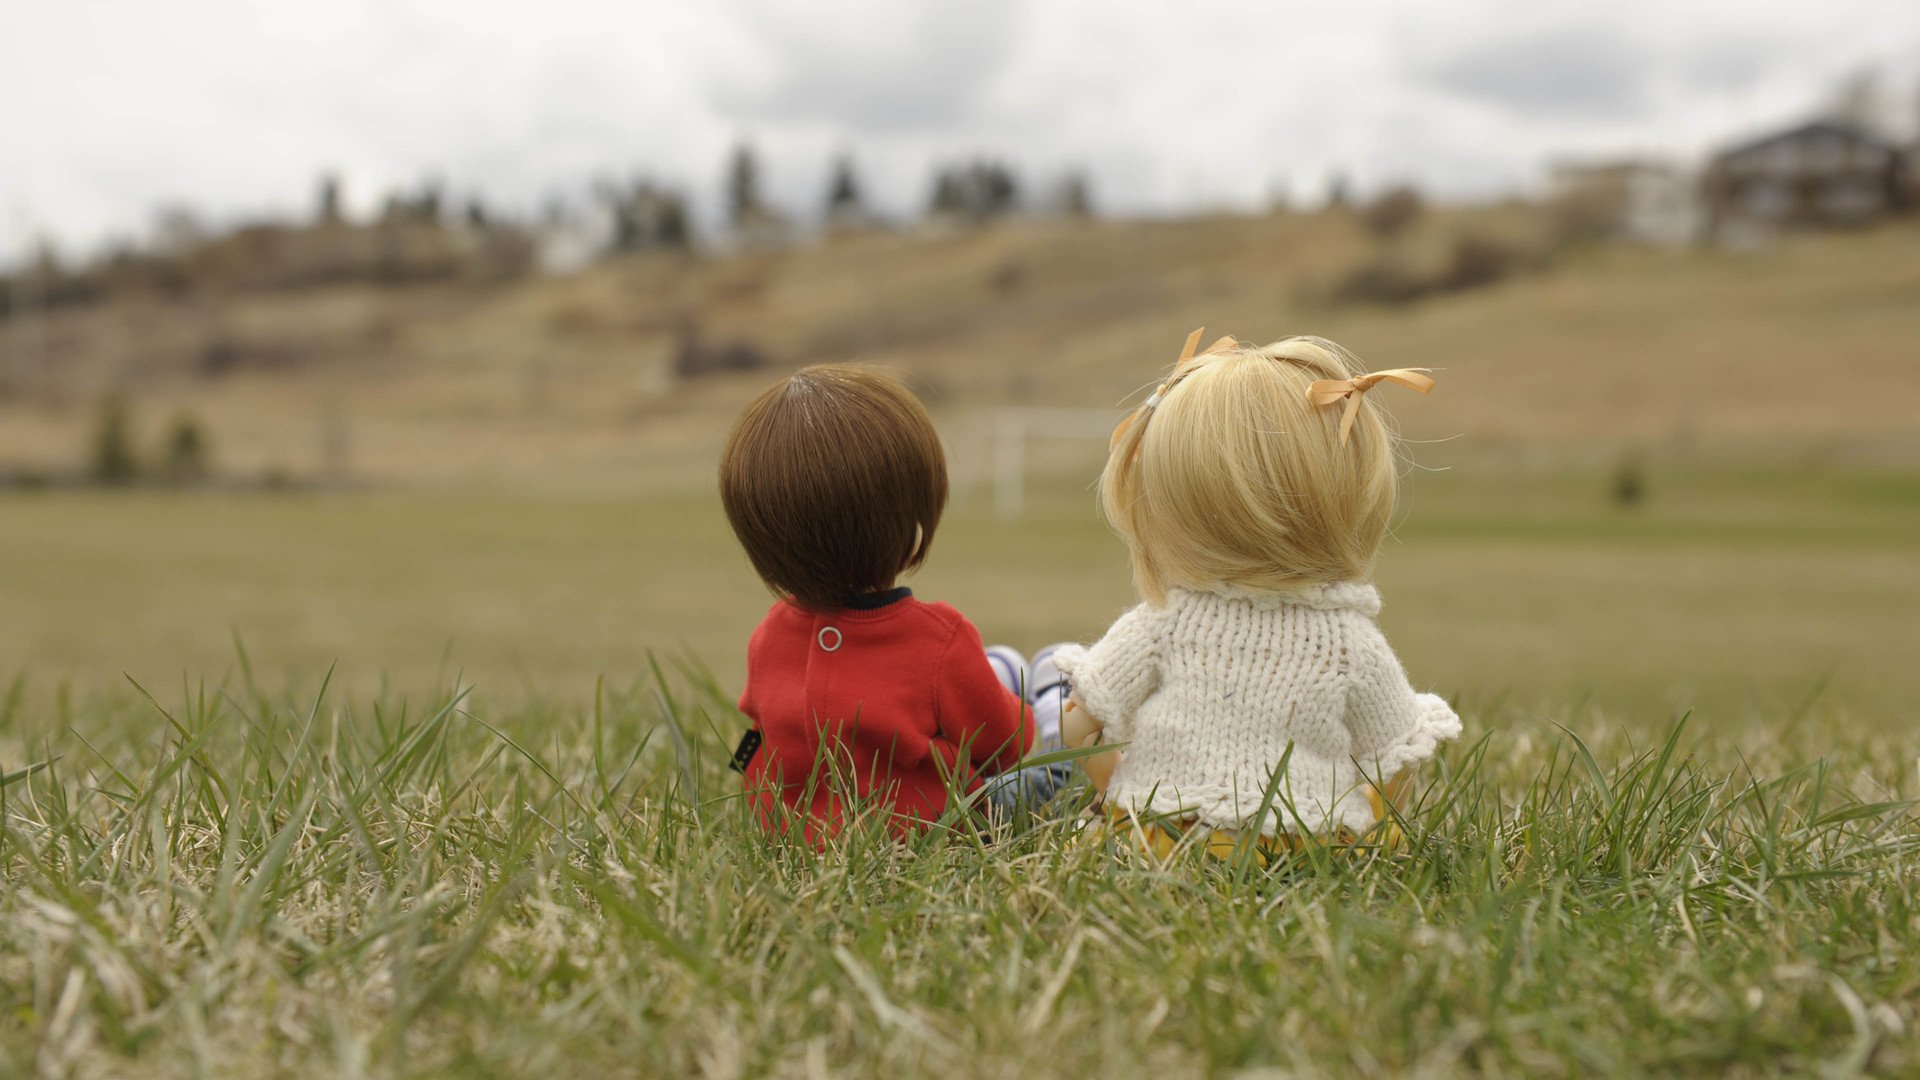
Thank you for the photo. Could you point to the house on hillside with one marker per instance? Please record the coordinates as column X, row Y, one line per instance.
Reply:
column 1644, row 201
column 1820, row 174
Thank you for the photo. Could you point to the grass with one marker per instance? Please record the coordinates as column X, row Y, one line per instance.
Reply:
column 445, row 857
column 1737, row 591
column 233, row 881
column 451, row 857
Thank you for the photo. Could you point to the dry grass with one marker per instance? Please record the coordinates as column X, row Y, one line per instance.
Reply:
column 569, row 381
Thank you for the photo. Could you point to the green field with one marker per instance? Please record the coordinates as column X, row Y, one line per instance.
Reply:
column 246, row 876
column 1736, row 590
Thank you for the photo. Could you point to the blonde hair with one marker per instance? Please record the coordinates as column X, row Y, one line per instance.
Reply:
column 1235, row 479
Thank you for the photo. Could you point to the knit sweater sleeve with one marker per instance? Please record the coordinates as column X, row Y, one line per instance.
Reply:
column 1115, row 676
column 1390, row 725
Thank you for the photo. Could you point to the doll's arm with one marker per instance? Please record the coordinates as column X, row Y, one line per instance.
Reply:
column 1391, row 727
column 1115, row 676
column 973, row 710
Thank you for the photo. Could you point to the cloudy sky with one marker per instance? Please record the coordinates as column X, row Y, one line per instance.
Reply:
column 111, row 108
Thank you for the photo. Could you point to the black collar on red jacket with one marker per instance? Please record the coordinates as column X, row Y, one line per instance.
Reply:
column 875, row 600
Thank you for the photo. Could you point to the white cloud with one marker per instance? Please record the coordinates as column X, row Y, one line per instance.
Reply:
column 114, row 107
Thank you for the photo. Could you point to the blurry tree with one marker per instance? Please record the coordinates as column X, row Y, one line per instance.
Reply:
column 1339, row 197
column 977, row 191
column 477, row 216
column 428, row 203
column 177, row 231
column 113, row 458
column 671, row 225
column 1076, row 195
column 185, row 456
column 743, row 185
column 646, row 215
column 1001, row 191
column 329, row 209
column 844, row 203
column 946, row 193
column 1390, row 214
column 420, row 207
column 629, row 232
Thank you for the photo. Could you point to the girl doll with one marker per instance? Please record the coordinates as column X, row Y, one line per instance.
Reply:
column 1253, row 489
column 834, row 481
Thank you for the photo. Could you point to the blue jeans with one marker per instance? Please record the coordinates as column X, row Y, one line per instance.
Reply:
column 1041, row 685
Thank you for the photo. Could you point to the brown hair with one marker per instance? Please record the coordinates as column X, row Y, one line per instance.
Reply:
column 833, row 480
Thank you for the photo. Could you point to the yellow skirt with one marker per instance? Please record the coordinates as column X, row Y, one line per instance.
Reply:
column 1166, row 837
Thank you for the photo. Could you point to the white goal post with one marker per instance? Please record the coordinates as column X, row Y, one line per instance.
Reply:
column 1018, row 424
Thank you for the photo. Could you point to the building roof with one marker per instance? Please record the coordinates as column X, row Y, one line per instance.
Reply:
column 1823, row 129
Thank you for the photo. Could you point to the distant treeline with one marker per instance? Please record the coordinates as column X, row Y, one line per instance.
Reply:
column 423, row 235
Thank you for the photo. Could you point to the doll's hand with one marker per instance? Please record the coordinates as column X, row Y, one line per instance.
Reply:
column 1078, row 728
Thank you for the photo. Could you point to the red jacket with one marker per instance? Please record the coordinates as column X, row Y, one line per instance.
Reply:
column 888, row 695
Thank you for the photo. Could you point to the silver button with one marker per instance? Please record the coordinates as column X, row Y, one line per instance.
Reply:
column 824, row 631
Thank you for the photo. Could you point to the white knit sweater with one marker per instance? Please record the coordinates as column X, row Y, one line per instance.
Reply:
column 1209, row 691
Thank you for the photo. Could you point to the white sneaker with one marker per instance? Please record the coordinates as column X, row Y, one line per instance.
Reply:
column 1010, row 666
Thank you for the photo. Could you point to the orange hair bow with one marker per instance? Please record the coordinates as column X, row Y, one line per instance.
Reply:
column 1180, row 368
column 1327, row 391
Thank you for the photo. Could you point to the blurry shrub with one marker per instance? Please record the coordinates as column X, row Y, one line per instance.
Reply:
column 1629, row 486
column 1471, row 260
column 575, row 317
column 501, row 255
column 1583, row 217
column 224, row 355
column 113, row 459
column 277, row 478
column 1381, row 280
column 744, row 280
column 47, row 283
column 218, row 357
column 695, row 356
column 124, row 270
column 1393, row 212
column 1008, row 278
column 30, row 479
column 186, row 455
column 1476, row 260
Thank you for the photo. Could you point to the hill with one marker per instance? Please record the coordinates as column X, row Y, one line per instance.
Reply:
column 1805, row 346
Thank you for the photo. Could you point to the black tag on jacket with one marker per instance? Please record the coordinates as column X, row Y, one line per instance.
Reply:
column 743, row 754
